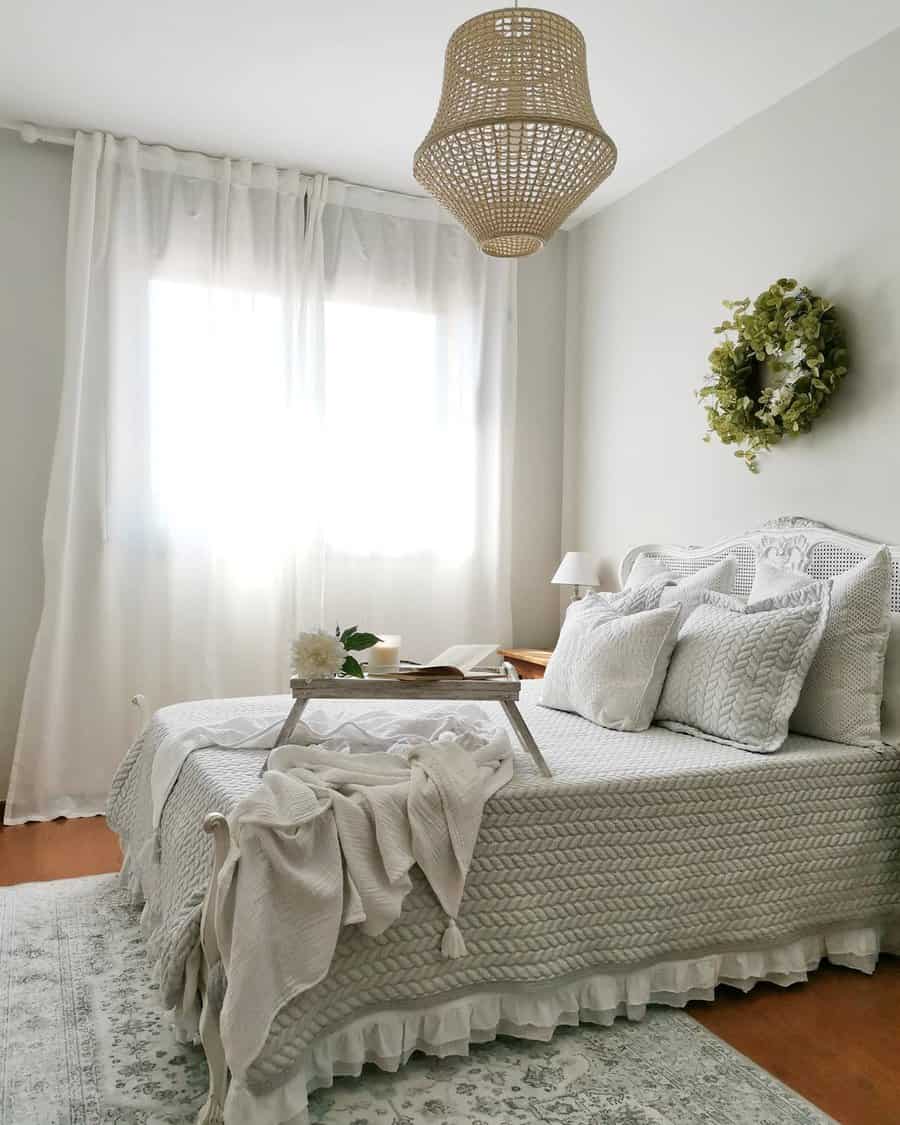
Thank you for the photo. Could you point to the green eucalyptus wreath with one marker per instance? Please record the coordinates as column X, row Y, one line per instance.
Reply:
column 792, row 331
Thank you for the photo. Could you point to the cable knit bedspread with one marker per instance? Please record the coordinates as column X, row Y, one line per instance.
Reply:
column 642, row 848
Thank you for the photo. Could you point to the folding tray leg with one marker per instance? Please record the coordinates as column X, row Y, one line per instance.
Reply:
column 525, row 736
column 287, row 727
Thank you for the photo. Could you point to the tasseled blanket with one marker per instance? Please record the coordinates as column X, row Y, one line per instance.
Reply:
column 328, row 840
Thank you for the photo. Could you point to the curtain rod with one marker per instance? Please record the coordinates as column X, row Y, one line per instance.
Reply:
column 31, row 134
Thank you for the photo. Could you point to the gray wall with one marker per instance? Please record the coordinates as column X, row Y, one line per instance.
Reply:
column 810, row 189
column 537, row 481
column 34, row 183
column 34, row 186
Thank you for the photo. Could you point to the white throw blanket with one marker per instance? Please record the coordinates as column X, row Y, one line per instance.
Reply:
column 329, row 838
column 364, row 731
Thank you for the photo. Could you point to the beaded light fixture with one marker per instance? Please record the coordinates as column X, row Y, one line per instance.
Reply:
column 516, row 145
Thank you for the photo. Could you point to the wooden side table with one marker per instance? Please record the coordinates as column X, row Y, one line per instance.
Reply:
column 530, row 663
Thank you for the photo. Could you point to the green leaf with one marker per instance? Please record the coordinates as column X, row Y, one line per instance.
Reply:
column 346, row 635
column 360, row 641
column 351, row 667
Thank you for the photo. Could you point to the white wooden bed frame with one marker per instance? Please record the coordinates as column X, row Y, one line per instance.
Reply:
column 791, row 541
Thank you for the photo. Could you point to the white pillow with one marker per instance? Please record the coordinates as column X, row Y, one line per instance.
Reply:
column 609, row 667
column 737, row 670
column 644, row 569
column 633, row 599
column 841, row 699
column 718, row 576
column 890, row 704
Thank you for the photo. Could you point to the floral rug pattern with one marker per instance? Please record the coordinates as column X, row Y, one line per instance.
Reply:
column 82, row 1042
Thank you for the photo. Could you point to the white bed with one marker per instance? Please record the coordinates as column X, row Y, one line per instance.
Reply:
column 650, row 868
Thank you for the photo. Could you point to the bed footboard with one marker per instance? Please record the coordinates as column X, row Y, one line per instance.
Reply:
column 212, row 985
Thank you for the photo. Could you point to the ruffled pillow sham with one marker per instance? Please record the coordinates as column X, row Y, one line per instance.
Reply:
column 737, row 670
column 841, row 700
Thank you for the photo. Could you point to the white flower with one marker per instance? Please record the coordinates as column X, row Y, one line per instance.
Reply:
column 781, row 399
column 317, row 655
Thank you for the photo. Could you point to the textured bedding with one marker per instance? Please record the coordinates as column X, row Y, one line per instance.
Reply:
column 643, row 847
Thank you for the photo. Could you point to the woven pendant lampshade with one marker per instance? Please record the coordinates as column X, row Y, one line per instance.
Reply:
column 516, row 145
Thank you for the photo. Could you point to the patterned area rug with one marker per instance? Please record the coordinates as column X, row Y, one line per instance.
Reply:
column 82, row 1042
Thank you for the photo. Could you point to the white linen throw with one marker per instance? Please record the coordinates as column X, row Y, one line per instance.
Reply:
column 329, row 838
column 358, row 731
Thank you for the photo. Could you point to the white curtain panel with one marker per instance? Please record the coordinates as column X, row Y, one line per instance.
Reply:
column 285, row 405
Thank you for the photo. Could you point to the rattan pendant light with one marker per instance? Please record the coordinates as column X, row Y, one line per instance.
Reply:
column 516, row 145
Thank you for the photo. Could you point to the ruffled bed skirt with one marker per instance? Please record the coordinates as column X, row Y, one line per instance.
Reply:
column 388, row 1039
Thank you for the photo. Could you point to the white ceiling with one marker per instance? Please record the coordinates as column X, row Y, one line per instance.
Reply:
column 350, row 88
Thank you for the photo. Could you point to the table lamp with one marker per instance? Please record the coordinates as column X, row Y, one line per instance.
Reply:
column 577, row 568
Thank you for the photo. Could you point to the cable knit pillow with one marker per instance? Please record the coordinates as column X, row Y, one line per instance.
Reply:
column 609, row 666
column 737, row 670
column 633, row 599
column 718, row 576
column 841, row 699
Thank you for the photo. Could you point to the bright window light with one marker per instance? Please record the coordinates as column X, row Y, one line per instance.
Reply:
column 404, row 484
column 371, row 446
column 219, row 426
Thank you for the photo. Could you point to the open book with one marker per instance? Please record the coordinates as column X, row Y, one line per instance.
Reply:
column 456, row 663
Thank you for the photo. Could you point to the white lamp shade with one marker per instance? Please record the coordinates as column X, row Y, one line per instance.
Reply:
column 578, row 568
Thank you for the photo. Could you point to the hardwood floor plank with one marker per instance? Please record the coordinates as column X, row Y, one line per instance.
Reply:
column 834, row 1039
column 57, row 849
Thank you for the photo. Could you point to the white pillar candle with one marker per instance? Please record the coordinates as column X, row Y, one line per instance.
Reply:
column 385, row 656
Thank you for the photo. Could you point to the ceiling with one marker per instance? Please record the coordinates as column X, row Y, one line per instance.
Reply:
column 350, row 88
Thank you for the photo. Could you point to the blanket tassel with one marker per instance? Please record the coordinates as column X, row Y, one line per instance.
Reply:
column 211, row 1114
column 452, row 945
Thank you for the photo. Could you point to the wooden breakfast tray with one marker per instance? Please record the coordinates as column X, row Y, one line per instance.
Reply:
column 499, row 690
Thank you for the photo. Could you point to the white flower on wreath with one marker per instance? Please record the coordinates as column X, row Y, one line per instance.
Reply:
column 317, row 655
column 781, row 399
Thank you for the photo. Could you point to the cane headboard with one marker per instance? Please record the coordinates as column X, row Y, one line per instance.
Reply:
column 791, row 541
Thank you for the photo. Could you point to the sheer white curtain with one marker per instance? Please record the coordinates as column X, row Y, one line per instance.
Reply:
column 418, row 385
column 285, row 405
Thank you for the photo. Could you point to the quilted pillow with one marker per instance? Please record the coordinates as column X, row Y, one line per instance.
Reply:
column 634, row 599
column 718, row 576
column 841, row 699
column 609, row 667
column 737, row 669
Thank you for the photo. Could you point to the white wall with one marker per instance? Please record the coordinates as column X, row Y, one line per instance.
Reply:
column 809, row 189
column 34, row 186
column 537, row 483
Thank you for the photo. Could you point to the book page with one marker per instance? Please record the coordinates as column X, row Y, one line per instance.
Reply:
column 464, row 657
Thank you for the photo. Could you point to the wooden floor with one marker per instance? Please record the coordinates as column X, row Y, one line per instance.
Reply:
column 57, row 849
column 836, row 1039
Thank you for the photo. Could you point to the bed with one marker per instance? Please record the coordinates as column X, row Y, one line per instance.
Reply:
column 649, row 869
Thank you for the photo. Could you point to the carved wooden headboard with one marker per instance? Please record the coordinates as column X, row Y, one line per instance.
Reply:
column 791, row 541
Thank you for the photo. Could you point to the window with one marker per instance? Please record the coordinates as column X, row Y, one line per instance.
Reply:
column 219, row 446
column 371, row 444
column 402, row 436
